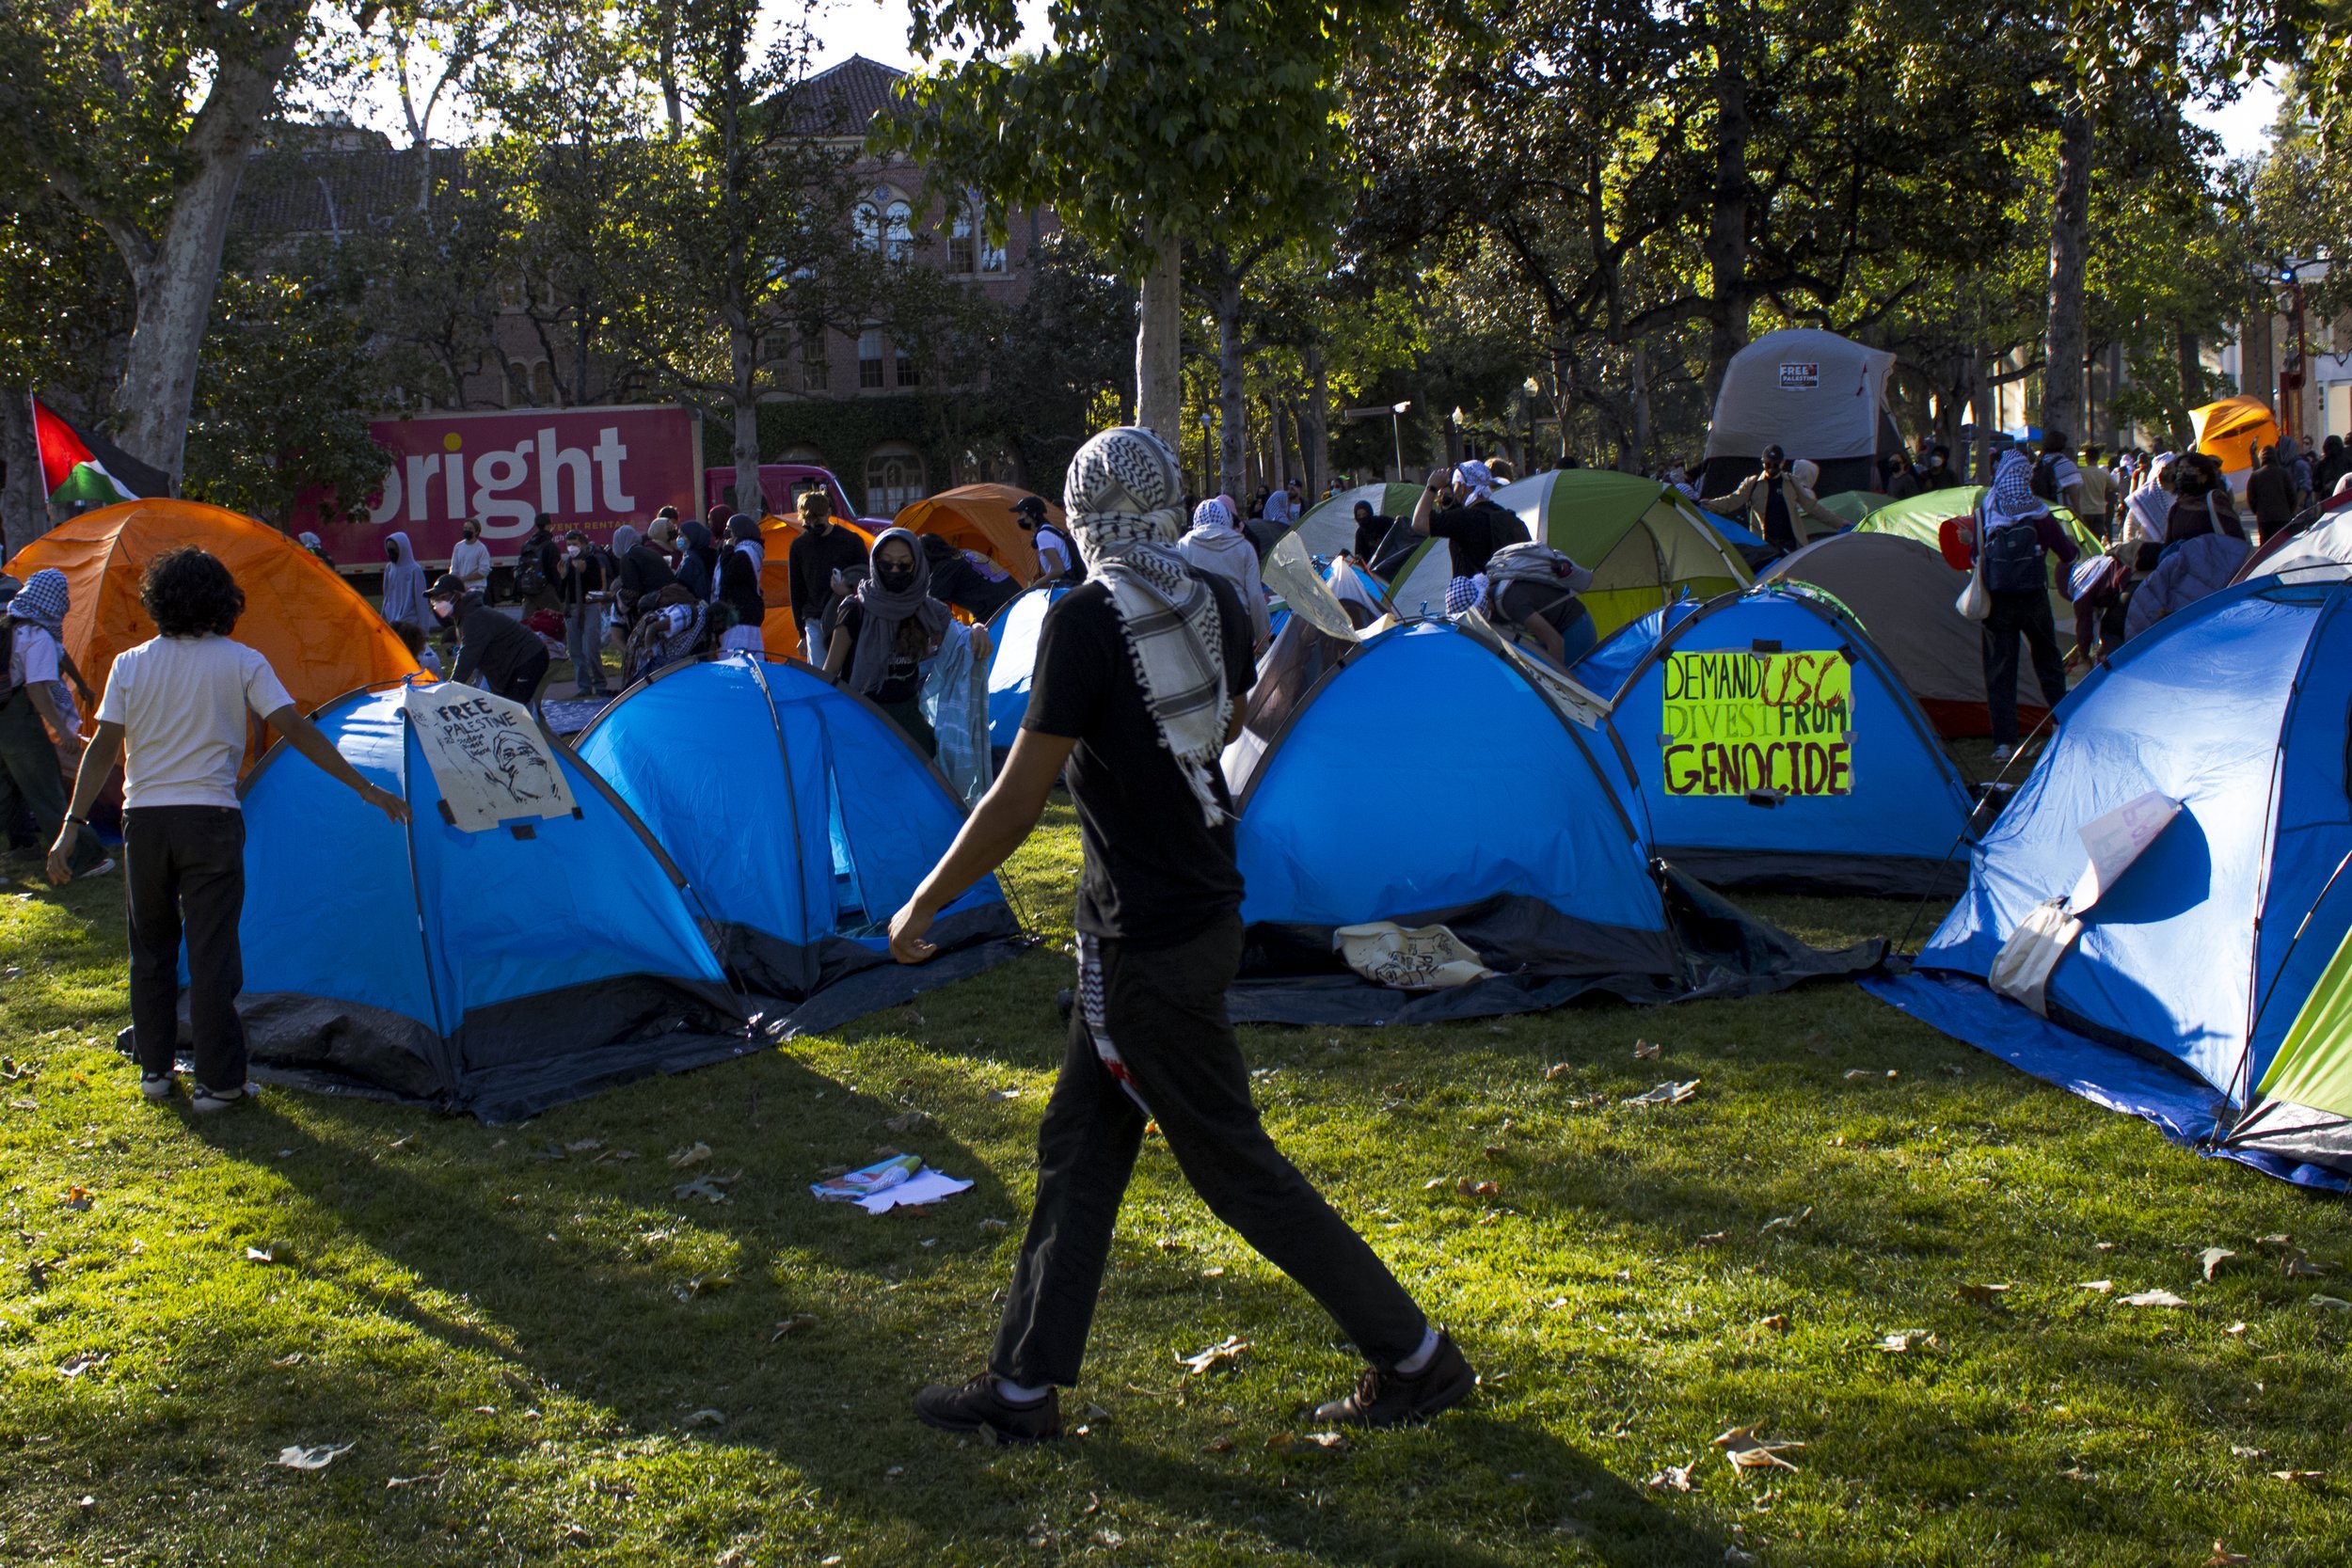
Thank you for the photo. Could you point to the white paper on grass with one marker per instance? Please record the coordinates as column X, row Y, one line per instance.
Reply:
column 926, row 1186
column 2113, row 841
column 1419, row 957
column 1289, row 571
column 489, row 756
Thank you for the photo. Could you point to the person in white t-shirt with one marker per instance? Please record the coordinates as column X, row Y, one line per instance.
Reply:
column 469, row 558
column 174, row 711
column 36, row 705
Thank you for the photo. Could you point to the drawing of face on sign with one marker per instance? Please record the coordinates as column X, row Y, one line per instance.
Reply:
column 524, row 769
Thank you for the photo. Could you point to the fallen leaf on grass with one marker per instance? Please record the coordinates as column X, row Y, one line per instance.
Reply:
column 1224, row 1354
column 1668, row 1093
column 707, row 1418
column 584, row 1146
column 2212, row 1259
column 1984, row 1295
column 2153, row 1298
column 1777, row 1323
column 2297, row 1266
column 1712, row 1237
column 2224, row 1558
column 613, row 1156
column 1903, row 1341
column 1746, row 1451
column 1435, row 1183
column 78, row 1199
column 793, row 1324
column 2275, row 1239
column 317, row 1457
column 2102, row 1286
column 1558, row 1069
column 907, row 1122
column 2235, row 1328
column 23, row 1105
column 1644, row 1050
column 1219, row 1444
column 1673, row 1477
column 995, row 1225
column 1495, row 1151
column 393, row 1484
column 689, row 1157
column 2333, row 1304
column 701, row 1187
column 2298, row 1475
column 260, row 1255
column 1787, row 1222
column 80, row 1364
column 2239, row 1451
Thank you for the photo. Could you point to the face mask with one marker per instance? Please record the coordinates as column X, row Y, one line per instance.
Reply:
column 391, row 552
column 895, row 578
column 441, row 608
column 572, row 550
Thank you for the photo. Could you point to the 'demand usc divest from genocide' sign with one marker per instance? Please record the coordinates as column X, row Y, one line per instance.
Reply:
column 1740, row 724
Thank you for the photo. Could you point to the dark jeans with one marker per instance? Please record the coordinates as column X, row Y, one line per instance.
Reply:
column 2028, row 613
column 184, row 868
column 29, row 774
column 523, row 683
column 908, row 716
column 1164, row 1008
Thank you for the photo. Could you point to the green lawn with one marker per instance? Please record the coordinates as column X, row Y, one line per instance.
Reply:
column 538, row 1354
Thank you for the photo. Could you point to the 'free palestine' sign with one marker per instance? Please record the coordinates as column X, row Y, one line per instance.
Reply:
column 1742, row 724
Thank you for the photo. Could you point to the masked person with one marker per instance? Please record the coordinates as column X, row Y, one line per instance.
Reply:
column 1140, row 673
column 823, row 547
column 2014, row 527
column 537, row 561
column 1772, row 500
column 739, row 592
column 1056, row 557
column 1216, row 542
column 969, row 583
column 1472, row 526
column 469, row 560
column 35, row 706
column 639, row 572
column 884, row 629
column 494, row 652
column 175, row 714
column 697, row 561
column 404, row 584
column 585, row 587
column 1372, row 527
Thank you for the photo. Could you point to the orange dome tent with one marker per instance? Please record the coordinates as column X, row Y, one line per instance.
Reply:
column 318, row 635
column 779, row 633
column 980, row 517
column 2234, row 430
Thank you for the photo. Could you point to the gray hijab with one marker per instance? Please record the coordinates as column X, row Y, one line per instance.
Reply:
column 885, row 612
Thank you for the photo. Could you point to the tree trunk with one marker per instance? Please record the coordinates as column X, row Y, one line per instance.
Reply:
column 1641, row 429
column 175, row 279
column 1726, row 247
column 2070, row 214
column 1317, row 425
column 1233, row 404
column 1278, row 429
column 1159, row 340
column 1983, row 399
column 24, row 508
column 746, row 416
column 2192, row 367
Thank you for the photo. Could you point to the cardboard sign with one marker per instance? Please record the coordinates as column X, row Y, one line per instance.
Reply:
column 1742, row 724
column 1795, row 376
column 489, row 756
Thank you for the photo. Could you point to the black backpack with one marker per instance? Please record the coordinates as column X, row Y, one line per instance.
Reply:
column 2012, row 560
column 2044, row 482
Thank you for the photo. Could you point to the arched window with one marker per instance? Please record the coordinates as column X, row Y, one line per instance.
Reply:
column 866, row 217
column 899, row 229
column 893, row 479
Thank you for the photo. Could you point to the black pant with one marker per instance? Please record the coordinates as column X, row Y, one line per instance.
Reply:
column 184, row 869
column 30, row 776
column 1164, row 1009
column 2027, row 613
column 522, row 684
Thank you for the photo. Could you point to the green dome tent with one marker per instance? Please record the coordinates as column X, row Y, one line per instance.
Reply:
column 1644, row 542
column 1328, row 527
column 1855, row 505
column 1922, row 517
column 1416, row 578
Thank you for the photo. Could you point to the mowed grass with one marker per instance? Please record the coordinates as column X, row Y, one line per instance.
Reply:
column 538, row 1354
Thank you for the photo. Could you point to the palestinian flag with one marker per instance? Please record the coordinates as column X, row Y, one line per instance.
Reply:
column 80, row 470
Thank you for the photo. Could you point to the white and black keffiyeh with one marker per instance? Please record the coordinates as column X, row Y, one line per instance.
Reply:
column 1124, row 496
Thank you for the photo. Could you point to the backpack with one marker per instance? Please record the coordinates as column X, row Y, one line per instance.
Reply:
column 2012, row 560
column 2044, row 482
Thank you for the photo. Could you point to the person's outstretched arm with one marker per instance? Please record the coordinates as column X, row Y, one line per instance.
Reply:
column 98, row 761
column 1423, row 508
column 994, row 830
column 303, row 736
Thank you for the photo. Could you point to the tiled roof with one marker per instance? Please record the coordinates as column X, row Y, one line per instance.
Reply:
column 840, row 101
column 316, row 191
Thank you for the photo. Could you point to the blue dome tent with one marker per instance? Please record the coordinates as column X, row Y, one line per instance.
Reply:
column 1426, row 780
column 2167, row 887
column 1013, row 659
column 1771, row 744
column 804, row 818
column 492, row 958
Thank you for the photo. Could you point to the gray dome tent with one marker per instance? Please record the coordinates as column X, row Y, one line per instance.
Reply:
column 1813, row 394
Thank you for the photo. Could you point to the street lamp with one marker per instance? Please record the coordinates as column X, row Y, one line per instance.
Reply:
column 1394, row 414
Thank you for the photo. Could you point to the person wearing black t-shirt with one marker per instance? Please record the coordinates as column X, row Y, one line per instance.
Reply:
column 1139, row 677
column 1371, row 527
column 823, row 547
column 1473, row 527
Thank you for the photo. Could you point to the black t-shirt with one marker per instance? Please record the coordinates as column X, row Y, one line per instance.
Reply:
column 810, row 565
column 1776, row 525
column 902, row 677
column 1155, row 873
column 497, row 646
column 1368, row 536
column 1474, row 532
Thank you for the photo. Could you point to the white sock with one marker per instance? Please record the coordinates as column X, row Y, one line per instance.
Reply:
column 1015, row 1394
column 1413, row 1365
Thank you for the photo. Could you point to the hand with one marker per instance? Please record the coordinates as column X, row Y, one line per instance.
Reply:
column 906, row 935
column 1440, row 478
column 386, row 802
column 61, row 853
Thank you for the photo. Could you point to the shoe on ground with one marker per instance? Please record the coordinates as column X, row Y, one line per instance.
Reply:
column 1387, row 1398
column 2003, row 753
column 977, row 1406
column 99, row 870
column 157, row 1086
column 205, row 1102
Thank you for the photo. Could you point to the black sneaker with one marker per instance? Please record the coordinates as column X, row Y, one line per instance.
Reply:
column 979, row 1407
column 1396, row 1399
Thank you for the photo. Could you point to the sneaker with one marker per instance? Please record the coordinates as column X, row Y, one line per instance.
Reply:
column 99, row 870
column 1395, row 1398
column 2003, row 753
column 979, row 1407
column 205, row 1102
column 157, row 1086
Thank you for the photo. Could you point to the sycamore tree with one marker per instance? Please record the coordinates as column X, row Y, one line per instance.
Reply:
column 1144, row 125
